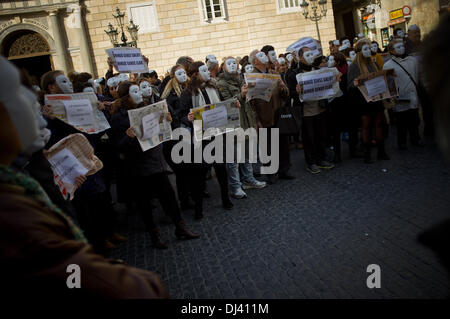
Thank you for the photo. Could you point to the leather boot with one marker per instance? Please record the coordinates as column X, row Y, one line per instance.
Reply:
column 368, row 154
column 156, row 239
column 381, row 154
column 182, row 232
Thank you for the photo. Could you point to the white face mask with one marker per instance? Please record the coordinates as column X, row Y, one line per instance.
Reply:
column 211, row 57
column 231, row 65
column 346, row 43
column 281, row 61
column 91, row 82
column 400, row 34
column 88, row 89
column 399, row 48
column 374, row 47
column 262, row 57
column 336, row 42
column 249, row 68
column 309, row 57
column 361, row 35
column 122, row 77
column 146, row 89
column 36, row 88
column 136, row 94
column 290, row 57
column 44, row 133
column 19, row 102
column 204, row 73
column 64, row 84
column 352, row 55
column 366, row 51
column 272, row 56
column 112, row 82
column 331, row 61
column 181, row 75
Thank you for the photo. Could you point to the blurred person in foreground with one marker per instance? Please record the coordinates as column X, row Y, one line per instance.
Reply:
column 39, row 241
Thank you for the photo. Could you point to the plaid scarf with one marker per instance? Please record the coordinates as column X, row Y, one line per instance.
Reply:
column 35, row 191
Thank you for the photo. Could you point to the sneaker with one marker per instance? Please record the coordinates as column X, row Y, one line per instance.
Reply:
column 254, row 184
column 325, row 165
column 313, row 169
column 239, row 194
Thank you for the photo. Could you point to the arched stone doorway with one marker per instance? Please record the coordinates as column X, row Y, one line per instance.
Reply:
column 29, row 50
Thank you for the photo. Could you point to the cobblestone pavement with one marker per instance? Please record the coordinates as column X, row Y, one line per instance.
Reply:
column 312, row 237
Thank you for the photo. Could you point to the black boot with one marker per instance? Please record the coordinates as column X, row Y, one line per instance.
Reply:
column 156, row 239
column 368, row 154
column 198, row 211
column 381, row 154
column 182, row 232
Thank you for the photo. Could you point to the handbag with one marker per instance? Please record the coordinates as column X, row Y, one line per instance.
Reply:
column 422, row 93
column 288, row 120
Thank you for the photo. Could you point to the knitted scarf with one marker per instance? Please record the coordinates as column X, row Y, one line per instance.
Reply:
column 34, row 190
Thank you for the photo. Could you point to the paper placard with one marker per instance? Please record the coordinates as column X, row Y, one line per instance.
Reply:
column 376, row 90
column 305, row 42
column 217, row 117
column 128, row 60
column 216, row 125
column 58, row 103
column 318, row 85
column 375, row 86
column 261, row 85
column 136, row 117
column 150, row 125
column 67, row 166
column 79, row 112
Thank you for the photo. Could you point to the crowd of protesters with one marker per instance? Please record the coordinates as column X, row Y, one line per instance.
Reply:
column 43, row 223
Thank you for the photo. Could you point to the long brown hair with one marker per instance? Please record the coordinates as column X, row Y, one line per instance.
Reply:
column 47, row 79
column 173, row 83
column 124, row 100
column 194, row 83
column 362, row 62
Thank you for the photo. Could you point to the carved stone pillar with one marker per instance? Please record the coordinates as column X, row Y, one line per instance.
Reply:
column 85, row 51
column 61, row 50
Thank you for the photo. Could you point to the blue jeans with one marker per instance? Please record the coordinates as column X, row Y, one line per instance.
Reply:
column 234, row 180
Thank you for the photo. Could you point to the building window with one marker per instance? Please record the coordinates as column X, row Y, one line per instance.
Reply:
column 144, row 15
column 285, row 6
column 213, row 10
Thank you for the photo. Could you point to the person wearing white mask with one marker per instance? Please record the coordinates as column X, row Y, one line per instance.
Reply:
column 146, row 170
column 148, row 91
column 399, row 33
column 43, row 228
column 376, row 56
column 213, row 67
column 351, row 56
column 266, row 114
column 372, row 112
column 407, row 104
column 313, row 122
column 201, row 91
column 272, row 56
column 184, row 173
column 231, row 85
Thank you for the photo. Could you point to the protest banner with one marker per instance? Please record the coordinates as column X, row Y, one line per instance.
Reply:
column 305, row 42
column 319, row 84
column 261, row 85
column 377, row 86
column 215, row 119
column 79, row 110
column 151, row 125
column 128, row 60
column 69, row 158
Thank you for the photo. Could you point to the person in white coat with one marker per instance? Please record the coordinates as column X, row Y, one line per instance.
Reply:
column 406, row 107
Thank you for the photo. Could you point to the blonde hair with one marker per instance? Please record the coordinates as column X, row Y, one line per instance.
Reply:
column 173, row 83
column 363, row 62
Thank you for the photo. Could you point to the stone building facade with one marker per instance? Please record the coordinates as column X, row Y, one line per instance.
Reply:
column 70, row 35
column 379, row 19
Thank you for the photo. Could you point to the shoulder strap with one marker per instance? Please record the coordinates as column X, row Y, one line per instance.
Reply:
column 415, row 84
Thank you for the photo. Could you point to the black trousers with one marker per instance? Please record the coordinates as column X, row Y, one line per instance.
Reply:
column 181, row 170
column 159, row 185
column 283, row 149
column 408, row 122
column 314, row 136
